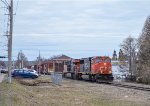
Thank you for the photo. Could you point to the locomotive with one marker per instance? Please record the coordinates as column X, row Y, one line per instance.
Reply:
column 97, row 68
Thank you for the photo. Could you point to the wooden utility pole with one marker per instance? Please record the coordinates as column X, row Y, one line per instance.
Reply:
column 39, row 63
column 130, row 61
column 10, row 41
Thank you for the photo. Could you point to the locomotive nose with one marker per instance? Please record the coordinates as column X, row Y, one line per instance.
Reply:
column 106, row 68
column 104, row 64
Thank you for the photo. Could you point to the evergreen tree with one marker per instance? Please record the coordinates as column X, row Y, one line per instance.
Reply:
column 144, row 53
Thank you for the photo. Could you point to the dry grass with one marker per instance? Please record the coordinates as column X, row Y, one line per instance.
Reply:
column 36, row 82
column 71, row 93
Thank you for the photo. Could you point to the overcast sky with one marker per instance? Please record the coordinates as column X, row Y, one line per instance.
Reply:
column 77, row 28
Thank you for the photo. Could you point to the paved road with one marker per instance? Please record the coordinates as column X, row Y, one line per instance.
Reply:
column 1, row 77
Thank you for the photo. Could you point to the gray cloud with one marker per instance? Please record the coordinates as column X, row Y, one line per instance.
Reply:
column 76, row 27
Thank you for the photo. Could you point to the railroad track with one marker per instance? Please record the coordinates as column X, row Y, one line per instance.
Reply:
column 120, row 85
column 130, row 86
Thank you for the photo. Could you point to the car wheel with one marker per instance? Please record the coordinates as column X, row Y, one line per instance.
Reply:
column 33, row 77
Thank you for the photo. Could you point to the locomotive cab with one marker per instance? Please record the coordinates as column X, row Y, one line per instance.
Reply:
column 101, row 67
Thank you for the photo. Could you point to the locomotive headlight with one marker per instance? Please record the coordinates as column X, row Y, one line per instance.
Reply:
column 104, row 64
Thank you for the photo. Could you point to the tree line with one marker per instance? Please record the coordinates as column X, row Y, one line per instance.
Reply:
column 138, row 53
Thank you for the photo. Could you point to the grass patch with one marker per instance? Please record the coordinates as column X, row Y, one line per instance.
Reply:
column 30, row 82
column 20, row 94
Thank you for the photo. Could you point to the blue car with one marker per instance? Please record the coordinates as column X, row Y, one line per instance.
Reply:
column 24, row 73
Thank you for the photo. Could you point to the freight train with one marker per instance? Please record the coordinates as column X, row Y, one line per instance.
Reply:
column 97, row 68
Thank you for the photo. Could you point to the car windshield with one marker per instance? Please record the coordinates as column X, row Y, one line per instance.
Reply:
column 31, row 70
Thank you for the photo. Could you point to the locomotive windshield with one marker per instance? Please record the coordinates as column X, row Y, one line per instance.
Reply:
column 99, row 59
column 108, row 60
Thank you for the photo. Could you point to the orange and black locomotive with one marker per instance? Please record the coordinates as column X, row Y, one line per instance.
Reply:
column 97, row 68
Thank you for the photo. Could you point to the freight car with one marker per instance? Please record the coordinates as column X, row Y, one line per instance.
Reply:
column 97, row 68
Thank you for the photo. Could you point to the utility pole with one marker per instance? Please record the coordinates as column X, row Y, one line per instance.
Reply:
column 39, row 63
column 130, row 62
column 10, row 41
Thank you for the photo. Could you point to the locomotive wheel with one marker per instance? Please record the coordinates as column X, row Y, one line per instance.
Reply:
column 93, row 78
column 72, row 75
column 64, row 75
column 90, row 77
column 77, row 76
column 97, row 78
column 80, row 76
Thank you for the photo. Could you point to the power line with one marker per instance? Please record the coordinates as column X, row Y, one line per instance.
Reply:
column 10, row 33
column 3, row 39
column 5, row 2
column 17, row 5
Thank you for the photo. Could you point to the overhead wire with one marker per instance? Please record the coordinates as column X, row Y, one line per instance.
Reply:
column 5, row 25
column 4, row 29
column 5, row 2
column 17, row 5
column 15, row 13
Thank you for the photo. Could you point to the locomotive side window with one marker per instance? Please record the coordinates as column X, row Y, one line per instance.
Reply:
column 81, row 61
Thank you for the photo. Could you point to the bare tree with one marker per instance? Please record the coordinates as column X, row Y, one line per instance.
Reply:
column 144, row 53
column 129, row 48
column 22, row 60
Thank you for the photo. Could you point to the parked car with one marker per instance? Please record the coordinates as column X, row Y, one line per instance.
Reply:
column 24, row 73
column 3, row 70
column 33, row 71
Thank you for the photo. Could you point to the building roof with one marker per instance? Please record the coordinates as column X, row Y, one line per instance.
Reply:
column 62, row 57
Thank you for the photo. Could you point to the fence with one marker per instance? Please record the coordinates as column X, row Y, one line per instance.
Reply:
column 56, row 78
